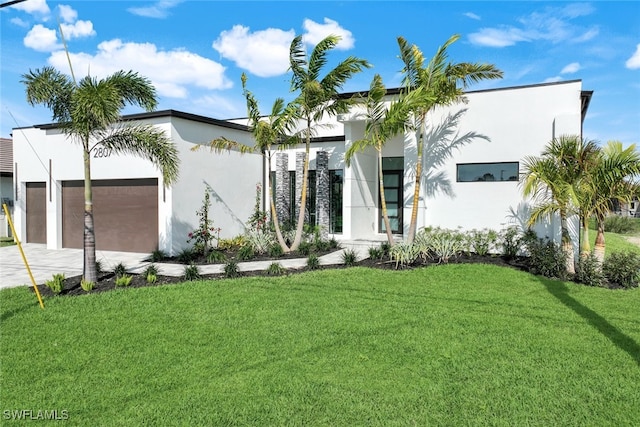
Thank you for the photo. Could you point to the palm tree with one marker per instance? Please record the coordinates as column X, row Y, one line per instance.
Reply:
column 382, row 124
column 610, row 179
column 553, row 181
column 267, row 133
column 89, row 113
column 444, row 84
column 318, row 96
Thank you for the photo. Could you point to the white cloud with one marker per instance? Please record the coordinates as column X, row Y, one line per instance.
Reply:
column 571, row 68
column 158, row 10
column 41, row 39
column 67, row 13
column 33, row 7
column 78, row 29
column 633, row 63
column 553, row 79
column 496, row 37
column 263, row 53
column 588, row 35
column 172, row 72
column 472, row 15
column 19, row 22
column 316, row 32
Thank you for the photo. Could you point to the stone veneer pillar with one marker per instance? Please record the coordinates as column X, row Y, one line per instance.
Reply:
column 323, row 201
column 283, row 194
column 300, row 156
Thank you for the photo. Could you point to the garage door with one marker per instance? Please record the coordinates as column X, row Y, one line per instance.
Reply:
column 36, row 212
column 125, row 214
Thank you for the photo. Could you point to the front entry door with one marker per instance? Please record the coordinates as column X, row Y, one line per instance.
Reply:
column 393, row 194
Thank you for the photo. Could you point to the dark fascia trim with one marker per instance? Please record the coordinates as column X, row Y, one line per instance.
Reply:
column 325, row 139
column 585, row 96
column 398, row 90
column 167, row 113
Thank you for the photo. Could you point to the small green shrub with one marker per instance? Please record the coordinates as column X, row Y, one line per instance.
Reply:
column 216, row 256
column 621, row 224
column 231, row 269
column 322, row 245
column 151, row 273
column 157, row 255
column 313, row 262
column 546, row 258
column 86, row 285
column 275, row 269
column 151, row 278
column 119, row 270
column 333, row 243
column 510, row 242
column 123, row 280
column 305, row 248
column 275, row 251
column 622, row 269
column 56, row 284
column 385, row 247
column 446, row 244
column 404, row 254
column 99, row 267
column 375, row 253
column 482, row 241
column 349, row 257
column 260, row 241
column 589, row 271
column 246, row 253
column 186, row 256
column 232, row 244
column 191, row 272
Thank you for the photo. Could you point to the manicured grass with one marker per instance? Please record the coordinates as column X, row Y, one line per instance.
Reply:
column 614, row 243
column 446, row 345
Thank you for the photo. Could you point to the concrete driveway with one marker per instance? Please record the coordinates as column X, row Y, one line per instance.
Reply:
column 44, row 263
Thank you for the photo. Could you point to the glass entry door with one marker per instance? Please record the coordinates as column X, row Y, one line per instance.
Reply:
column 393, row 194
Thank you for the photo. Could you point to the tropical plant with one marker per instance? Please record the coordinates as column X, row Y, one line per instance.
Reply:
column 124, row 280
column 88, row 112
column 275, row 269
column 313, row 262
column 553, row 182
column 119, row 270
column 404, row 254
column 318, row 96
column 56, row 284
column 349, row 257
column 622, row 269
column 191, row 272
column 86, row 285
column 204, row 236
column 231, row 269
column 443, row 84
column 267, row 132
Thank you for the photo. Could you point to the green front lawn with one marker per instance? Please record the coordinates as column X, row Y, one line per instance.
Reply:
column 446, row 345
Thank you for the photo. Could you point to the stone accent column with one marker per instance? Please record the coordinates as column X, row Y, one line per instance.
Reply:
column 323, row 202
column 300, row 156
column 283, row 194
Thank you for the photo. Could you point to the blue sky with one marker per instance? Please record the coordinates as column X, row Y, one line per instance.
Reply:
column 195, row 51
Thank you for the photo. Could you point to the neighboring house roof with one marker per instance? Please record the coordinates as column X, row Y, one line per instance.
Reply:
column 6, row 156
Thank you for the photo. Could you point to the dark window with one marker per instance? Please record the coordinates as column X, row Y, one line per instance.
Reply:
column 335, row 194
column 477, row 172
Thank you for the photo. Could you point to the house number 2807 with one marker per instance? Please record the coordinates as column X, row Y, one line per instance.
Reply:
column 102, row 152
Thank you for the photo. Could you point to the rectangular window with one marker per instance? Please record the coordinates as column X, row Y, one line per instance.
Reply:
column 335, row 195
column 482, row 172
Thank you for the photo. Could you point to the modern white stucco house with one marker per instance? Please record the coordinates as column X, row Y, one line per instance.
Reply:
column 481, row 179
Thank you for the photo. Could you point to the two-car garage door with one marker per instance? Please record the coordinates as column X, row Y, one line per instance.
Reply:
column 125, row 213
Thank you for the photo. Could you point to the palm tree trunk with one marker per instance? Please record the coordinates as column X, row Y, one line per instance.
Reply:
column 383, row 202
column 599, row 247
column 89, row 268
column 585, row 243
column 567, row 245
column 303, row 196
column 413, row 225
column 274, row 215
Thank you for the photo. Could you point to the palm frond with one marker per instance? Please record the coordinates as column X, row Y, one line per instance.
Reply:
column 51, row 88
column 318, row 57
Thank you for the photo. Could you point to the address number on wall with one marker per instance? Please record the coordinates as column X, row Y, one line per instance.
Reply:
column 102, row 152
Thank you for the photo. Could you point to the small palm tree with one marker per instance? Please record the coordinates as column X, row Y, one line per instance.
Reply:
column 443, row 83
column 267, row 132
column 89, row 113
column 317, row 96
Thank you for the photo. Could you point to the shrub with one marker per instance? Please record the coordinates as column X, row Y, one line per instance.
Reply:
column 258, row 219
column 191, row 272
column 260, row 240
column 216, row 256
column 620, row 224
column 186, row 256
column 56, row 284
column 546, row 258
column 275, row 251
column 232, row 244
column 99, row 268
column 482, row 241
column 333, row 243
column 589, row 271
column 275, row 269
column 246, row 253
column 231, row 269
column 510, row 242
column 119, row 270
column 86, row 285
column 158, row 255
column 446, row 244
column 124, row 280
column 622, row 269
column 322, row 245
column 151, row 278
column 313, row 262
column 151, row 273
column 376, row 253
column 385, row 247
column 204, row 236
column 305, row 248
column 404, row 254
column 349, row 257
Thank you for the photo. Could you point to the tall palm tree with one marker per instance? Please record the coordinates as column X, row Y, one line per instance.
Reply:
column 611, row 178
column 553, row 181
column 88, row 112
column 267, row 132
column 382, row 123
column 445, row 82
column 317, row 96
